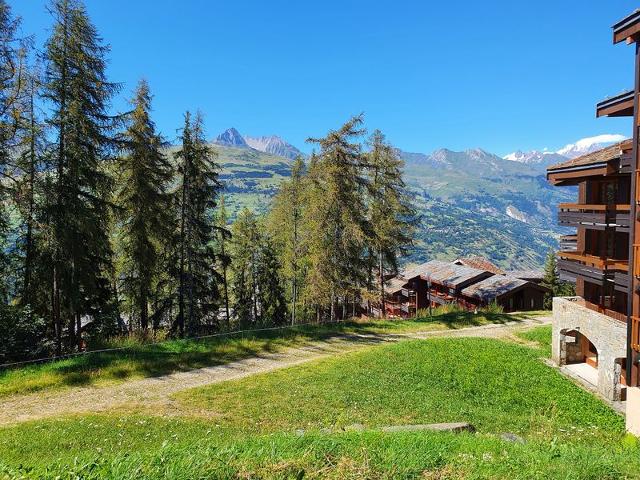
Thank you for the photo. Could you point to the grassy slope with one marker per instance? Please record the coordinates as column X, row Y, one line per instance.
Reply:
column 179, row 355
column 499, row 387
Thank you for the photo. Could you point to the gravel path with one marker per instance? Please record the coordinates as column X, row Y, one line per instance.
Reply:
column 156, row 391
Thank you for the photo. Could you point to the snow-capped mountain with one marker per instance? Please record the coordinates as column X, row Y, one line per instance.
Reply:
column 589, row 144
column 572, row 150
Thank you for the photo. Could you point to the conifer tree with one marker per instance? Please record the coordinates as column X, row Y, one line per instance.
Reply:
column 144, row 204
column 28, row 192
column 336, row 218
column 224, row 259
column 198, row 294
column 551, row 280
column 390, row 211
column 79, row 96
column 12, row 86
column 244, row 240
column 286, row 230
column 271, row 299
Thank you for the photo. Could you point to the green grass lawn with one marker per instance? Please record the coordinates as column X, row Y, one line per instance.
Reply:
column 180, row 355
column 295, row 423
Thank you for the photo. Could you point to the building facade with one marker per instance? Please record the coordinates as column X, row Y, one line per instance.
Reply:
column 438, row 283
column 597, row 331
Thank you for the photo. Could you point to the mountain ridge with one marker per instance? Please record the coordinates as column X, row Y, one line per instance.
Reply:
column 271, row 144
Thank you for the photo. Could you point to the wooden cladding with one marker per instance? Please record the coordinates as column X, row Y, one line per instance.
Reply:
column 596, row 262
column 635, row 333
column 636, row 260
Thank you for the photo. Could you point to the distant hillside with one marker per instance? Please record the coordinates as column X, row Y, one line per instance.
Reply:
column 471, row 202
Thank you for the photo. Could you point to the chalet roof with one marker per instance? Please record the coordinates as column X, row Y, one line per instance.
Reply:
column 395, row 285
column 526, row 274
column 480, row 263
column 607, row 154
column 491, row 288
column 448, row 273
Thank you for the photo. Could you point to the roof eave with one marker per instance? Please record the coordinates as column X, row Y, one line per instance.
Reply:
column 627, row 29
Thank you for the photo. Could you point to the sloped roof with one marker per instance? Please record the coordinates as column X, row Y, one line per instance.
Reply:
column 526, row 274
column 491, row 288
column 480, row 263
column 607, row 154
column 448, row 273
column 395, row 285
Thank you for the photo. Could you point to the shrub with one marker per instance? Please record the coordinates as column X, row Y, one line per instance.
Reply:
column 23, row 334
column 493, row 307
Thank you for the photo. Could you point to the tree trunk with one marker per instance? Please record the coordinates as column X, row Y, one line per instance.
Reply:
column 29, row 234
column 55, row 308
column 225, row 285
column 144, row 311
column 183, row 214
column 381, row 276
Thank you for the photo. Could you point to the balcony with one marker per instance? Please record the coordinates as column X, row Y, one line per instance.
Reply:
column 572, row 265
column 594, row 216
column 569, row 243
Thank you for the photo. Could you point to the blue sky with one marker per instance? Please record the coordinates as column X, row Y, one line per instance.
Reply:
column 500, row 75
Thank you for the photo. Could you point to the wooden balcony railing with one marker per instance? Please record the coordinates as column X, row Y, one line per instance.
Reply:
column 594, row 215
column 596, row 262
column 635, row 333
column 595, row 207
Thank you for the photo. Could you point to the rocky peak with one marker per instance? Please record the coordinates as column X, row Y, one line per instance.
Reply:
column 231, row 137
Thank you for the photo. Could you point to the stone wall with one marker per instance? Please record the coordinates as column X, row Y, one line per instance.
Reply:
column 607, row 335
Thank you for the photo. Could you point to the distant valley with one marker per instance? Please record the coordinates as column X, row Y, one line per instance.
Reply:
column 471, row 202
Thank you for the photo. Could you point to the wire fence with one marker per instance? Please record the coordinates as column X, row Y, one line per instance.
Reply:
column 160, row 342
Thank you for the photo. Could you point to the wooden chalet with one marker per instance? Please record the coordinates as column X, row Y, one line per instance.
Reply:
column 511, row 293
column 598, row 331
column 437, row 283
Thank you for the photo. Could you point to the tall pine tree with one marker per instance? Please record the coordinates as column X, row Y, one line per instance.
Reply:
column 287, row 231
column 198, row 292
column 79, row 96
column 244, row 235
column 145, row 205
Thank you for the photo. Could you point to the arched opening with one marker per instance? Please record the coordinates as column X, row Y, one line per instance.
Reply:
column 581, row 356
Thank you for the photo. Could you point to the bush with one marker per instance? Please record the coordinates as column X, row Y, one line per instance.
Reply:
column 23, row 334
column 493, row 307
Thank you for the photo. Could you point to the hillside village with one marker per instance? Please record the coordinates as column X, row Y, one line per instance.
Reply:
column 234, row 306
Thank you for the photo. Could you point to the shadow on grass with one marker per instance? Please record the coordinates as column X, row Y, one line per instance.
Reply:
column 154, row 360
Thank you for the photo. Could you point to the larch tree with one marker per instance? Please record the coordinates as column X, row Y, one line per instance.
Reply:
column 285, row 227
column 223, row 236
column 198, row 292
column 144, row 205
column 270, row 291
column 79, row 95
column 392, row 216
column 244, row 272
column 336, row 221
column 12, row 88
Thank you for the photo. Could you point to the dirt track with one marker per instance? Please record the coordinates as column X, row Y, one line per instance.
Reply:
column 158, row 390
